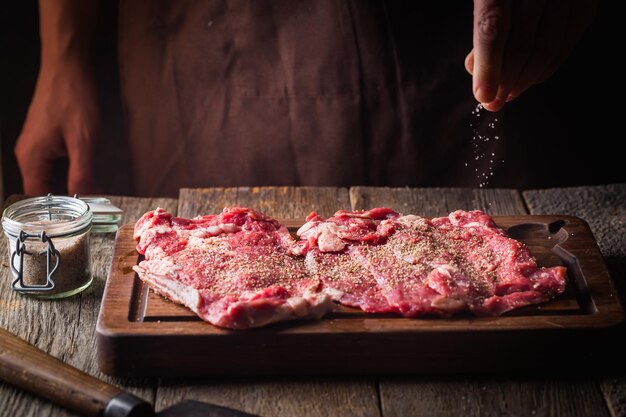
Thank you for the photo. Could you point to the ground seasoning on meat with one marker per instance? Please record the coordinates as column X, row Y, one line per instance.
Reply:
column 406, row 265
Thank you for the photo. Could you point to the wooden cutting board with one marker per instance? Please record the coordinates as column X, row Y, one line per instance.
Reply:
column 139, row 333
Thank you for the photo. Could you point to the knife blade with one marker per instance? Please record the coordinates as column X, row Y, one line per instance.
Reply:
column 27, row 367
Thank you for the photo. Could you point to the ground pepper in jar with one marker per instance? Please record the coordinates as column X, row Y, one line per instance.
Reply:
column 48, row 245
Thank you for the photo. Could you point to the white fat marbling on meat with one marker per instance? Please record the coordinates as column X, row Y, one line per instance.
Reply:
column 306, row 227
column 214, row 230
column 230, row 228
column 328, row 241
column 448, row 304
column 159, row 278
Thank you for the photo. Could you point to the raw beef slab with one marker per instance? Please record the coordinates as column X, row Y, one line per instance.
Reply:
column 233, row 269
column 242, row 269
column 330, row 247
column 380, row 261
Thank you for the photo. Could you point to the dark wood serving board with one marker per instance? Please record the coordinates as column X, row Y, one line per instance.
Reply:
column 139, row 333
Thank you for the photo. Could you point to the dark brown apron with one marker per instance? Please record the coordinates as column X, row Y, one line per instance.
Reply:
column 325, row 92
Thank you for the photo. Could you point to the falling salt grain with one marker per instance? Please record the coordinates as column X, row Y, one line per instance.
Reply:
column 480, row 141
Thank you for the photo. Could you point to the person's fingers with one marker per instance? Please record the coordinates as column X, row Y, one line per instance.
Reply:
column 491, row 28
column 81, row 172
column 36, row 166
column 80, row 178
column 494, row 105
column 525, row 18
column 469, row 62
column 550, row 36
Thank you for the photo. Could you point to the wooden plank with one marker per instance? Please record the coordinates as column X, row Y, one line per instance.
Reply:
column 14, row 198
column 135, row 207
column 277, row 202
column 294, row 397
column 475, row 396
column 65, row 328
column 604, row 208
column 613, row 389
column 288, row 396
column 437, row 201
column 489, row 396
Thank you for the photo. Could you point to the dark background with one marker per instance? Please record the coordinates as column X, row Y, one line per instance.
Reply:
column 572, row 109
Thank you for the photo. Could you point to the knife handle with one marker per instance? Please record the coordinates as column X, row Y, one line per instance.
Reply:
column 27, row 367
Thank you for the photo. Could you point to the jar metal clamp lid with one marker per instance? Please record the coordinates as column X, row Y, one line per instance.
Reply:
column 20, row 250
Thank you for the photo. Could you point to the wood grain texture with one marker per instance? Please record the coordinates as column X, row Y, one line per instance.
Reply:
column 65, row 328
column 278, row 202
column 472, row 396
column 604, row 208
column 14, row 198
column 431, row 202
column 283, row 397
column 489, row 397
column 135, row 207
column 613, row 390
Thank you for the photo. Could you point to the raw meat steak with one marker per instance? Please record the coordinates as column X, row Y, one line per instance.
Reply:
column 232, row 269
column 415, row 266
column 242, row 269
column 329, row 246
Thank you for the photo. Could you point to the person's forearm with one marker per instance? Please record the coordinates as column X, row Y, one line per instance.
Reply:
column 66, row 29
column 63, row 119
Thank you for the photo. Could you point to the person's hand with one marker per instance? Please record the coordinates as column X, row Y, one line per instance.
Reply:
column 62, row 122
column 521, row 43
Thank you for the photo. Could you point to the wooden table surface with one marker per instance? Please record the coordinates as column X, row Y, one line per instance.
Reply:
column 66, row 328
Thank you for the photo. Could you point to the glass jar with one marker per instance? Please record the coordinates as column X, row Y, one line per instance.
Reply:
column 48, row 242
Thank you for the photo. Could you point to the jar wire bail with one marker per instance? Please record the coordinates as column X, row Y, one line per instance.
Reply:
column 21, row 250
